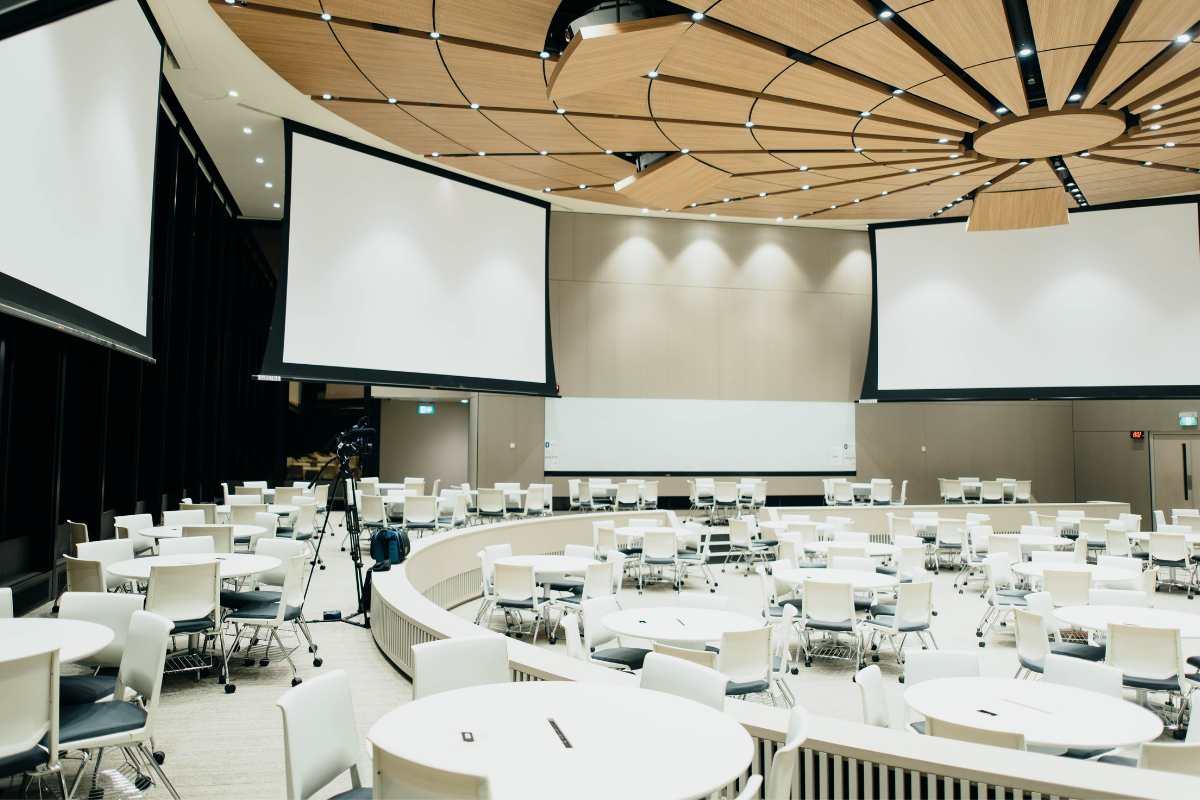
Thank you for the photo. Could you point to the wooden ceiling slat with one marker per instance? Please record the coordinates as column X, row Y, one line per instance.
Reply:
column 715, row 53
column 1172, row 98
column 471, row 128
column 549, row 132
column 874, row 51
column 687, row 102
column 623, row 134
column 970, row 32
column 814, row 160
column 493, row 78
column 705, row 137
column 603, row 195
column 745, row 187
column 788, row 116
column 628, row 98
column 394, row 125
column 1126, row 59
column 673, row 182
column 1068, row 23
column 875, row 126
column 1060, row 70
column 1160, row 20
column 900, row 108
column 603, row 54
column 311, row 6
column 412, row 14
column 402, row 67
column 554, row 171
column 500, row 171
column 304, row 52
column 807, row 82
column 738, row 163
column 786, row 140
column 1019, row 210
column 514, row 23
column 924, row 199
column 943, row 91
column 1145, row 86
column 1003, row 79
column 610, row 167
column 1036, row 175
column 804, row 26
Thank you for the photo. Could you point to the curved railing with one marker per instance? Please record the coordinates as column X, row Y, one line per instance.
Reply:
column 409, row 605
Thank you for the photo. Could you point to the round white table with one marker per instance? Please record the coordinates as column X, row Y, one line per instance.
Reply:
column 872, row 549
column 76, row 639
column 233, row 565
column 176, row 531
column 272, row 508
column 704, row 748
column 1144, row 536
column 781, row 526
column 1050, row 715
column 1035, row 539
column 640, row 533
column 548, row 565
column 679, row 626
column 1034, row 569
column 860, row 580
column 1097, row 618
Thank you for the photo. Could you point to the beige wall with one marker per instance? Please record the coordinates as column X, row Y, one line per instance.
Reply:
column 429, row 446
column 510, row 439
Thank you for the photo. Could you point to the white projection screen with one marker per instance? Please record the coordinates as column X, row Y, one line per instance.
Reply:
column 1104, row 306
column 396, row 272
column 77, row 153
column 614, row 436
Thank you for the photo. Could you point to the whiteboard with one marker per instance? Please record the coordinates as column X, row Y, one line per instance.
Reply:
column 637, row 435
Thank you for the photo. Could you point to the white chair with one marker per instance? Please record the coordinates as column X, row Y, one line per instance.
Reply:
column 221, row 537
column 189, row 595
column 1001, row 593
column 533, row 502
column 269, row 522
column 696, row 553
column 659, row 551
column 188, row 545
column 398, row 778
column 951, row 541
column 903, row 492
column 953, row 490
column 29, row 685
column 745, row 661
column 1169, row 551
column 1089, row 675
column 271, row 615
column 116, row 723
column 109, row 552
column 6, row 603
column 742, row 544
column 597, row 582
column 1151, row 660
column 320, row 739
column 516, row 592
column 1117, row 597
column 913, row 613
column 1116, row 541
column 881, row 493
column 191, row 517
column 726, row 500
column 251, row 592
column 570, row 627
column 595, row 634
column 843, row 493
column 829, row 608
column 992, row 492
column 1022, row 492
column 372, row 513
column 82, row 576
column 627, row 496
column 1042, row 604
column 491, row 505
column 1166, row 757
column 420, row 515
column 113, row 610
column 662, row 673
column 928, row 665
column 136, row 523
column 1066, row 588
column 649, row 496
column 874, row 699
column 449, row 664
column 1131, row 565
column 244, row 514
column 1012, row 740
column 209, row 510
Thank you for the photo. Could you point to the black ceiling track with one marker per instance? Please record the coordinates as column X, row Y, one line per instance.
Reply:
column 1020, row 28
column 1109, row 33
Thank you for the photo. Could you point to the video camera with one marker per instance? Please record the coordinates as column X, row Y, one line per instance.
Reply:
column 353, row 441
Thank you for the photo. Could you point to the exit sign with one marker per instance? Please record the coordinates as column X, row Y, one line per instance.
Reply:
column 1187, row 419
column 1137, row 434
column 424, row 409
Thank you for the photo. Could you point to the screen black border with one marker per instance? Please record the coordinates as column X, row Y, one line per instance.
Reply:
column 275, row 367
column 870, row 387
column 20, row 299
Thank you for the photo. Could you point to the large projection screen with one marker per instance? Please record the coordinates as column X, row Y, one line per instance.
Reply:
column 77, row 152
column 1102, row 307
column 637, row 436
column 398, row 273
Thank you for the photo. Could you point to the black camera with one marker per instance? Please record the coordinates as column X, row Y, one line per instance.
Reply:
column 353, row 441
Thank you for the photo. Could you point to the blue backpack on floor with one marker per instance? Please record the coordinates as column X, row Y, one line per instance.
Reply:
column 389, row 545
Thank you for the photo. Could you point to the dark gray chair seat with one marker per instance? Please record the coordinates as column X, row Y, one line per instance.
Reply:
column 1033, row 666
column 861, row 603
column 515, row 603
column 97, row 719
column 767, row 542
column 632, row 657
column 883, row 621
column 1158, row 562
column 232, row 599
column 75, row 690
column 1084, row 755
column 883, row 610
column 1194, row 661
column 1153, row 684
column 191, row 626
column 18, row 763
column 1008, row 600
column 630, row 551
column 361, row 793
column 567, row 586
column 1014, row 592
column 659, row 560
column 267, row 611
column 919, row 727
column 1120, row 761
column 750, row 687
column 885, row 570
column 821, row 625
column 1081, row 651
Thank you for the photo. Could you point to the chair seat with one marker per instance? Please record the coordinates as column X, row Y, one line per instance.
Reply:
column 905, row 627
column 1082, row 651
column 260, row 611
column 289, row 528
column 1120, row 761
column 93, row 720
column 566, row 586
column 192, row 625
column 422, row 525
column 884, row 570
column 18, row 763
column 883, row 610
column 232, row 599
column 361, row 793
column 862, row 603
column 630, row 551
column 1033, row 666
column 75, row 690
column 632, row 657
column 821, row 625
column 949, row 546
column 750, row 687
column 1015, row 602
column 1180, row 564
column 767, row 542
column 1194, row 661
column 515, row 603
column 918, row 726
column 1153, row 684
column 1084, row 755
column 646, row 560
column 751, row 546
column 1014, row 592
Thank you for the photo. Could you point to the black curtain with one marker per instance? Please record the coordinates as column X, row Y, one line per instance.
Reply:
column 87, row 433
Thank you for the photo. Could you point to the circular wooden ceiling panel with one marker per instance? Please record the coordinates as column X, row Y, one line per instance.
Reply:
column 1049, row 133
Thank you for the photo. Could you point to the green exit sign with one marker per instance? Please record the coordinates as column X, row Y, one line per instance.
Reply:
column 1187, row 419
column 424, row 409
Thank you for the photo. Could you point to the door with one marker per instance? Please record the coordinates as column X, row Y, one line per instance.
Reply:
column 1174, row 461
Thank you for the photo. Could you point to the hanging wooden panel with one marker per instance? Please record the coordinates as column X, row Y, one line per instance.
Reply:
column 602, row 54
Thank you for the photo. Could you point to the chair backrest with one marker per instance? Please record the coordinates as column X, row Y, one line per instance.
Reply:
column 513, row 582
column 247, row 489
column 420, row 510
column 320, row 739
column 200, row 544
column 208, row 509
column 1118, row 597
column 398, row 778
column 284, row 495
column 828, row 602
column 109, row 552
column 221, row 535
column 1067, row 588
column 306, row 519
column 843, row 492
column 1022, row 491
column 493, row 552
column 617, row 559
column 112, row 610
column 783, row 764
column 457, row 663
column 858, row 563
column 284, row 550
column 78, row 533
column 662, row 673
column 606, row 537
column 901, row 526
column 6, row 603
column 845, row 551
column 598, row 580
column 136, row 523
column 1132, row 522
column 993, row 491
column 704, row 658
column 953, row 489
column 1140, row 652
column 1031, row 635
column 594, row 610
column 1116, row 540
column 839, row 523
column 185, row 591
column 926, row 665
column 415, row 485
column 1071, row 514
column 659, row 544
column 745, row 655
column 650, row 492
column 949, row 532
column 244, row 514
column 573, row 490
column 1013, row 740
column 725, row 492
column 372, row 508
column 739, row 532
column 84, row 575
column 490, row 500
column 186, row 517
column 874, row 699
column 142, row 662
column 1169, row 757
column 914, row 603
column 533, row 500
column 1008, row 545
column 1083, row 674
column 29, row 686
column 627, row 494
column 1168, row 546
column 881, row 491
column 570, row 627
column 911, row 561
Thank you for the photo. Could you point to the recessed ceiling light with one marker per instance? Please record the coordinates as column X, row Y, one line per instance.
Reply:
column 1156, row 107
column 583, row 186
column 326, row 97
column 958, row 199
column 1169, row 144
column 562, row 111
column 1070, row 183
column 886, row 13
column 1025, row 51
column 693, row 205
column 608, row 152
column 258, row 160
column 685, row 151
column 696, row 18
column 914, row 169
column 545, row 152
column 864, row 113
column 652, row 74
column 482, row 153
column 1022, row 163
column 246, row 130
column 779, row 219
column 987, row 183
column 543, row 54
column 277, row 205
column 1183, row 38
column 645, row 211
column 749, row 124
column 762, row 194
column 858, row 149
column 795, row 216
column 391, row 100
column 1147, row 163
column 465, row 400
column 804, row 168
column 434, row 35
column 1001, row 110
column 897, row 91
column 712, row 215
column 1084, row 154
column 269, row 185
column 833, row 206
column 474, row 105
column 548, row 189
column 954, row 155
column 943, row 141
column 805, row 186
column 1075, row 96
column 326, row 17
column 885, row 192
column 435, row 155
column 726, row 200
column 856, row 199
column 955, row 174
column 1059, row 169
column 230, row 2
column 938, row 211
column 1155, row 127
column 232, row 93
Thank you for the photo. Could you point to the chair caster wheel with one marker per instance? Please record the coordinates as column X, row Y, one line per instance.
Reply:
column 808, row 662
column 979, row 634
column 935, row 613
column 639, row 591
column 247, row 662
column 322, row 566
column 553, row 640
column 343, row 549
column 264, row 662
column 983, row 644
column 902, row 679
column 714, row 591
column 160, row 757
column 1179, row 733
column 960, row 591
column 874, row 659
column 230, row 688
column 54, row 609
column 1003, row 624
column 317, row 662
column 310, row 648
column 297, row 681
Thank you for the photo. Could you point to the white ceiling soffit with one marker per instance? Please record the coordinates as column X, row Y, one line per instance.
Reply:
column 415, row 395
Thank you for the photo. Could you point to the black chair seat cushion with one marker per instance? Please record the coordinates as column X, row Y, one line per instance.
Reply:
column 1194, row 661
column 749, row 687
column 820, row 625
column 1084, row 755
column 1180, row 564
column 566, row 586
column 1143, row 556
column 883, row 610
column 1014, row 592
column 266, row 611
column 627, row 505
column 515, row 603
column 631, row 551
column 883, row 570
column 632, row 657
column 1035, row 666
column 192, row 626
column 1082, row 651
column 299, row 537
column 76, row 689
column 798, row 602
column 752, row 546
column 91, row 720
column 949, row 546
column 1018, row 602
column 361, row 793
column 289, row 528
column 422, row 525
column 885, row 622
column 776, row 611
column 862, row 603
column 767, row 542
column 658, row 560
column 232, row 599
column 1120, row 761
column 18, row 763
column 1153, row 684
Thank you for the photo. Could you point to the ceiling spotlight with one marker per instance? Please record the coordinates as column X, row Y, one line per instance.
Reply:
column 954, row 155
column 864, row 113
column 482, row 153
column 914, row 169
column 762, row 194
column 887, row 13
column 562, row 111
column 1022, row 163
column 943, row 141
column 1001, row 110
column 856, row 199
column 543, row 54
column 693, row 205
column 246, row 130
column 804, row 169
column 277, row 205
column 1025, row 51
column 1156, row 107
column 1147, row 163
column 391, row 100
column 230, row 2
column 987, row 183
column 645, row 211
column 269, row 185
column 858, row 149
column 258, row 161
column 696, row 18
column 606, row 152
column 545, row 152
column 1084, row 154
column 833, row 206
column 1070, row 183
column 1059, row 169
column 805, row 186
column 326, row 17
column 1183, row 38
column 779, row 219
column 795, row 216
column 749, row 124
column 1155, row 127
column 897, row 91
column 685, row 151
column 726, row 200
column 1169, row 144
column 548, row 189
column 435, row 155
column 955, row 174
column 434, row 35
column 583, row 186
column 326, row 97
column 651, row 74
column 233, row 93
column 938, row 211
column 474, row 105
column 712, row 215
column 958, row 199
column 885, row 192
column 1075, row 96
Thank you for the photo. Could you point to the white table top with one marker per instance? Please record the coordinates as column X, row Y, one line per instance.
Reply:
column 510, row 721
column 233, row 565
column 873, row 549
column 640, row 533
column 782, row 526
column 506, row 491
column 76, row 639
column 548, row 564
column 1050, row 715
column 675, row 625
column 272, row 508
column 861, row 581
column 1190, row 538
column 1034, row 539
column 176, row 531
column 1036, row 568
column 1097, row 618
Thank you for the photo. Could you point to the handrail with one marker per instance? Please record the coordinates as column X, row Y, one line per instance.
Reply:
column 409, row 605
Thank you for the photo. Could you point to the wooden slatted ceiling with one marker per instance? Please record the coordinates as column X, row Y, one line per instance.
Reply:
column 876, row 126
column 805, row 82
column 501, row 171
column 554, row 172
column 610, row 167
column 970, row 32
column 1068, row 23
column 874, row 51
column 1037, row 175
column 470, row 128
column 415, row 15
column 919, row 201
column 549, row 132
column 789, row 116
column 1170, row 98
column 943, row 91
column 746, row 187
column 745, row 162
column 786, row 140
column 715, row 53
column 303, row 52
column 1160, row 20
column 1146, row 83
column 492, row 78
column 963, row 209
column 403, row 67
column 514, row 23
column 672, row 100
column 628, row 97
column 804, row 26
column 1003, row 79
column 311, row 6
column 705, row 137
column 623, row 134
column 1115, row 183
column 1060, row 71
column 1019, row 210
column 395, row 125
column 607, row 196
column 602, row 54
column 672, row 182
column 902, row 108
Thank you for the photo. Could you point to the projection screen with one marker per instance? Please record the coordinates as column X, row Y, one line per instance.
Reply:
column 77, row 151
column 1102, row 307
column 641, row 436
column 395, row 272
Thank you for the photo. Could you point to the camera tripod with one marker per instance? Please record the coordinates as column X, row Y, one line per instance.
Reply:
column 343, row 483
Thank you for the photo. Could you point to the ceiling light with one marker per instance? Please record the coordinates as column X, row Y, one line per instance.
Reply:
column 805, row 186
column 749, row 124
column 435, row 155
column 1156, row 107
column 938, row 211
column 1147, row 163
column 885, row 192
column 987, row 183
column 804, row 169
column 914, row 169
column 693, row 205
column 474, row 105
column 943, row 141
column 712, row 215
column 465, row 400
column 246, row 130
column 326, row 97
column 856, row 199
column 696, row 18
column 779, row 219
column 886, row 13
column 434, row 35
column 949, row 205
column 583, row 186
column 1169, row 144
column 1025, row 51
column 652, row 74
column 562, row 111
column 897, row 91
column 795, row 216
column 864, row 113
column 645, row 211
column 1059, row 169
column 1022, row 163
column 543, row 54
column 606, row 152
column 1070, row 183
column 233, row 93
column 326, row 17
column 1075, row 96
column 954, row 155
column 833, row 206
column 726, row 200
column 1001, row 110
column 277, row 205
column 391, row 100
column 762, row 194
column 482, row 153
column 955, row 174
column 548, row 189
column 258, row 161
column 1155, row 127
column 958, row 199
column 546, row 153
column 858, row 149
column 1183, row 38
column 1084, row 154
column 269, row 185
column 685, row 151
column 230, row 2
